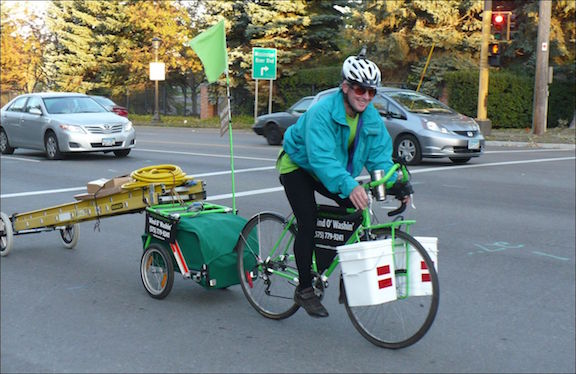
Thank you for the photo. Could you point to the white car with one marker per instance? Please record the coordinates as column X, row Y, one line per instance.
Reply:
column 60, row 123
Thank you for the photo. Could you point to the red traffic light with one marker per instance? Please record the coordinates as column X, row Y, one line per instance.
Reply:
column 498, row 19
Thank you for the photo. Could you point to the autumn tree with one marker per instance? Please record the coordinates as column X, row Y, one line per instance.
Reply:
column 303, row 32
column 400, row 34
column 107, row 44
column 23, row 43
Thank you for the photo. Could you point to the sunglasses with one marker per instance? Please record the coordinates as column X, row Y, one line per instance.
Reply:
column 360, row 91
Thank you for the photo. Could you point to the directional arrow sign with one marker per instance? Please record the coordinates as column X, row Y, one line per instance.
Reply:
column 264, row 63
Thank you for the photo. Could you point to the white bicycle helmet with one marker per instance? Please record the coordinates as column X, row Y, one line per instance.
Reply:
column 360, row 70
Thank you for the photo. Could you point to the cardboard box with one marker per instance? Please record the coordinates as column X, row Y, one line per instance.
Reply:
column 117, row 182
column 103, row 185
column 95, row 185
column 84, row 196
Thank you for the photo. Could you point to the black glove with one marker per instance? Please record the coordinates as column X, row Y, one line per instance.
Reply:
column 401, row 189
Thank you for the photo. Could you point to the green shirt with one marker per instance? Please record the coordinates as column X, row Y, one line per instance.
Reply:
column 285, row 165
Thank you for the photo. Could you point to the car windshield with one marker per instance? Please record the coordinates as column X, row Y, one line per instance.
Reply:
column 72, row 104
column 302, row 105
column 103, row 101
column 417, row 103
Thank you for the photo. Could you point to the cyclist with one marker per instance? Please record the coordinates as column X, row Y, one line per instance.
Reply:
column 324, row 151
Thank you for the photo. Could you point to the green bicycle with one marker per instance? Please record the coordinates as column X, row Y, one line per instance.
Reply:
column 268, row 273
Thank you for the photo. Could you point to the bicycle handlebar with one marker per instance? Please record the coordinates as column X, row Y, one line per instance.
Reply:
column 399, row 164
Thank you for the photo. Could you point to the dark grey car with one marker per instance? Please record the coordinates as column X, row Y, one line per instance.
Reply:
column 272, row 126
column 60, row 123
column 423, row 127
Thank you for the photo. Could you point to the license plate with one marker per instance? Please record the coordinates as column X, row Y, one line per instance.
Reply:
column 106, row 142
column 474, row 144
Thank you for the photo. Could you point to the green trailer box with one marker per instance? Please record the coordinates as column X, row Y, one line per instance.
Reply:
column 206, row 243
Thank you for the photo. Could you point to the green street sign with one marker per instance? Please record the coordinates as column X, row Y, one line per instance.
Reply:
column 264, row 63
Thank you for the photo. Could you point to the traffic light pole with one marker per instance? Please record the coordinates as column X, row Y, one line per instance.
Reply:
column 482, row 117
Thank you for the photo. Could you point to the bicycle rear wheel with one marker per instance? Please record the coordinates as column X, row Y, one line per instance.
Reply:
column 401, row 322
column 266, row 265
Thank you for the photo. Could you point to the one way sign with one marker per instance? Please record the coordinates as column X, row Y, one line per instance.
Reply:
column 264, row 63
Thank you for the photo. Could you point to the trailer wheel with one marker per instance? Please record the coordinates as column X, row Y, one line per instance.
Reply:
column 6, row 235
column 157, row 271
column 70, row 235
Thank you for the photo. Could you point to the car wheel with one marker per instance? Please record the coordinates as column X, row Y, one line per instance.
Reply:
column 51, row 146
column 273, row 134
column 408, row 148
column 4, row 144
column 460, row 160
column 122, row 152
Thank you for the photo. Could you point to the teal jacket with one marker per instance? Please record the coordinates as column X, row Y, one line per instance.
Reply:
column 318, row 143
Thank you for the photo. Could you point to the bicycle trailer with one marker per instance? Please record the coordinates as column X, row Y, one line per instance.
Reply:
column 199, row 239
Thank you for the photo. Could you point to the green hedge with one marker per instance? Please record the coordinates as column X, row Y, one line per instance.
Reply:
column 307, row 82
column 509, row 98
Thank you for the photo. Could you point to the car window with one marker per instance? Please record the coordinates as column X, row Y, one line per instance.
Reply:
column 18, row 105
column 73, row 104
column 302, row 106
column 34, row 102
column 385, row 107
column 415, row 102
column 103, row 100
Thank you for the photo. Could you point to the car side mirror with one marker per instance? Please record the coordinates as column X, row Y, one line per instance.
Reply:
column 392, row 115
column 36, row 111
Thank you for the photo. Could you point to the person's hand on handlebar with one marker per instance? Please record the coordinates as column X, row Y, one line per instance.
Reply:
column 359, row 197
column 402, row 191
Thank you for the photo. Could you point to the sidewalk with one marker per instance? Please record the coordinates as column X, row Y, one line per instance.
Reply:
column 507, row 143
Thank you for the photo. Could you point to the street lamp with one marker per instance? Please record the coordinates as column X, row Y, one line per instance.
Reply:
column 156, row 118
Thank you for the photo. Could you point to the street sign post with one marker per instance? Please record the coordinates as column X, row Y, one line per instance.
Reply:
column 264, row 63
column 263, row 67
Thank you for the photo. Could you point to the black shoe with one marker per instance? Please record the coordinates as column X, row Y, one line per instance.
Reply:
column 308, row 300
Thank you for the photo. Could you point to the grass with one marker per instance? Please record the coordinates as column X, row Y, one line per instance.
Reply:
column 238, row 122
column 559, row 135
column 562, row 135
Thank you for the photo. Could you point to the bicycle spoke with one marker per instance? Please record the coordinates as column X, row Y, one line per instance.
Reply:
column 404, row 321
column 266, row 265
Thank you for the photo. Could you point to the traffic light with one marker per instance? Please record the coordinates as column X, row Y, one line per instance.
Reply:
column 501, row 25
column 494, row 54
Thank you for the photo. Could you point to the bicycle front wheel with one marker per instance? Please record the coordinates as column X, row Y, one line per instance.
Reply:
column 401, row 322
column 266, row 265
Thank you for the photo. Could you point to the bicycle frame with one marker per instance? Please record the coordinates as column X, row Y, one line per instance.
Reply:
column 365, row 228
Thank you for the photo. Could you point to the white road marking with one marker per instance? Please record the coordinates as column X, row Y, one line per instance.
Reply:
column 276, row 189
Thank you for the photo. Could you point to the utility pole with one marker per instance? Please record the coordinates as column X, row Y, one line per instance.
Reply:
column 482, row 118
column 541, row 80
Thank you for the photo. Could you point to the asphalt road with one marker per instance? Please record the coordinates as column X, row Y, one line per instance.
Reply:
column 506, row 229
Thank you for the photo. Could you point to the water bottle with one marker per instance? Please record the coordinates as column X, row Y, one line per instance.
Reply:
column 379, row 192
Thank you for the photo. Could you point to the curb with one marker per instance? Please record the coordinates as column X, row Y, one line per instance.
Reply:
column 497, row 143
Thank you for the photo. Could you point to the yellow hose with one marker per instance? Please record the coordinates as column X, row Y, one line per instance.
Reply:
column 168, row 175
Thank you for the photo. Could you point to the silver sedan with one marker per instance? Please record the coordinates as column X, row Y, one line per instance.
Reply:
column 423, row 127
column 60, row 123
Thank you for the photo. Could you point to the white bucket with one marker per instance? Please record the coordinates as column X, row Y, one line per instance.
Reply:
column 368, row 272
column 418, row 275
column 420, row 282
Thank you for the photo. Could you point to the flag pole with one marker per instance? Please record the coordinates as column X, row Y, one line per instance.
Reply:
column 231, row 142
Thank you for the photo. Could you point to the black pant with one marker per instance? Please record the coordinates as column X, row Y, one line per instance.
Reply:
column 300, row 186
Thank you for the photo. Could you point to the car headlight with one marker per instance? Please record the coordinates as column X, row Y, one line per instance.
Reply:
column 72, row 128
column 475, row 126
column 128, row 126
column 433, row 126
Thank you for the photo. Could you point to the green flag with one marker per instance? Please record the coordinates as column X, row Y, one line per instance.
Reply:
column 210, row 46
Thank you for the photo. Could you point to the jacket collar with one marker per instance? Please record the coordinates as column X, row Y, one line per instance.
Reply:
column 339, row 112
